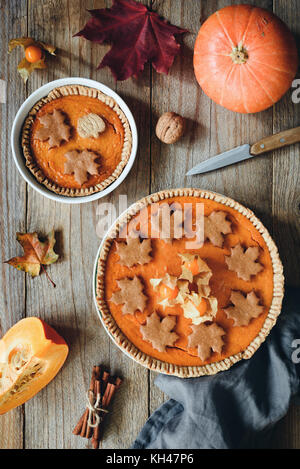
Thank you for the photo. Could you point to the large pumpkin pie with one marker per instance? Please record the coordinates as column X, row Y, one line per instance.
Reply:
column 194, row 301
column 76, row 141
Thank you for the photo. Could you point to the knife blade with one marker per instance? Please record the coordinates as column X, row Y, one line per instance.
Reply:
column 224, row 159
column 283, row 139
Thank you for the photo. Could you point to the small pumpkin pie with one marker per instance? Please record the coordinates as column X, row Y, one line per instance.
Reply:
column 76, row 141
column 185, row 294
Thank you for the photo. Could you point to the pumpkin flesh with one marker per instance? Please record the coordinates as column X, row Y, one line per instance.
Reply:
column 31, row 354
column 245, row 58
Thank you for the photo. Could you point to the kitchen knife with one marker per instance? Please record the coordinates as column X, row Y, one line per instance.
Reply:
column 283, row 139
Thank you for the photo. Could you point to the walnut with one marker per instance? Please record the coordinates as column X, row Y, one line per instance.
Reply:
column 170, row 127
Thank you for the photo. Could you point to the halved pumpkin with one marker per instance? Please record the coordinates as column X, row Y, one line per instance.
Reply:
column 31, row 354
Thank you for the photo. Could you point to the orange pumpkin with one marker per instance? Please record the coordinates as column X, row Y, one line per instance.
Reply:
column 31, row 354
column 245, row 58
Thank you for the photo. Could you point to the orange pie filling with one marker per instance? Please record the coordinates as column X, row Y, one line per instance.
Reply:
column 105, row 147
column 190, row 307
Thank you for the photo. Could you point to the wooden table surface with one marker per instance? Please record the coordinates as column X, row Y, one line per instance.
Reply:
column 270, row 185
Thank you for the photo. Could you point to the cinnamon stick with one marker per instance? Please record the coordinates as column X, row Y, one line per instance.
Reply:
column 104, row 386
column 88, row 430
column 96, row 391
column 84, row 423
column 111, row 394
column 106, row 395
column 97, row 372
column 105, row 378
column 105, row 391
column 118, row 382
column 92, row 383
column 92, row 397
column 77, row 429
column 107, row 398
column 96, row 433
column 81, row 426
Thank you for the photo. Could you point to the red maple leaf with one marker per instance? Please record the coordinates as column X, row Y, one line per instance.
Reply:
column 137, row 35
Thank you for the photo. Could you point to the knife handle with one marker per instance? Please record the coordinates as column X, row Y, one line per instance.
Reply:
column 283, row 139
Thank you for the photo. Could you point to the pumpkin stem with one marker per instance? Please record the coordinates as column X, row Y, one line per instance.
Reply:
column 239, row 54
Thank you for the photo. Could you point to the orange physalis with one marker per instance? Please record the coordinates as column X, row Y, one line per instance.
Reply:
column 193, row 266
column 202, row 307
column 33, row 54
column 166, row 292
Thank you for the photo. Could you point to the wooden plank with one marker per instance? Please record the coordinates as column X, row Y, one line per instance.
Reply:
column 175, row 92
column 12, row 197
column 131, row 406
column 130, row 409
column 250, row 182
column 69, row 308
column 286, row 208
column 286, row 168
column 206, row 135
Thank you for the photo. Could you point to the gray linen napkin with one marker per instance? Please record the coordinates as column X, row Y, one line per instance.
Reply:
column 228, row 409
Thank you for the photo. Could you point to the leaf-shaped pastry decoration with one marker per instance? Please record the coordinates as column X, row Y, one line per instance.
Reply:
column 90, row 125
column 244, row 308
column 244, row 262
column 215, row 226
column 159, row 332
column 54, row 128
column 134, row 251
column 206, row 338
column 81, row 164
column 130, row 295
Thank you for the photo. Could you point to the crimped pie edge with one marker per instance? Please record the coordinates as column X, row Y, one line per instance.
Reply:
column 167, row 368
column 69, row 90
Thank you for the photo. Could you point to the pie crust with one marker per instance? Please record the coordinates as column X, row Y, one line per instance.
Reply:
column 173, row 369
column 35, row 168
